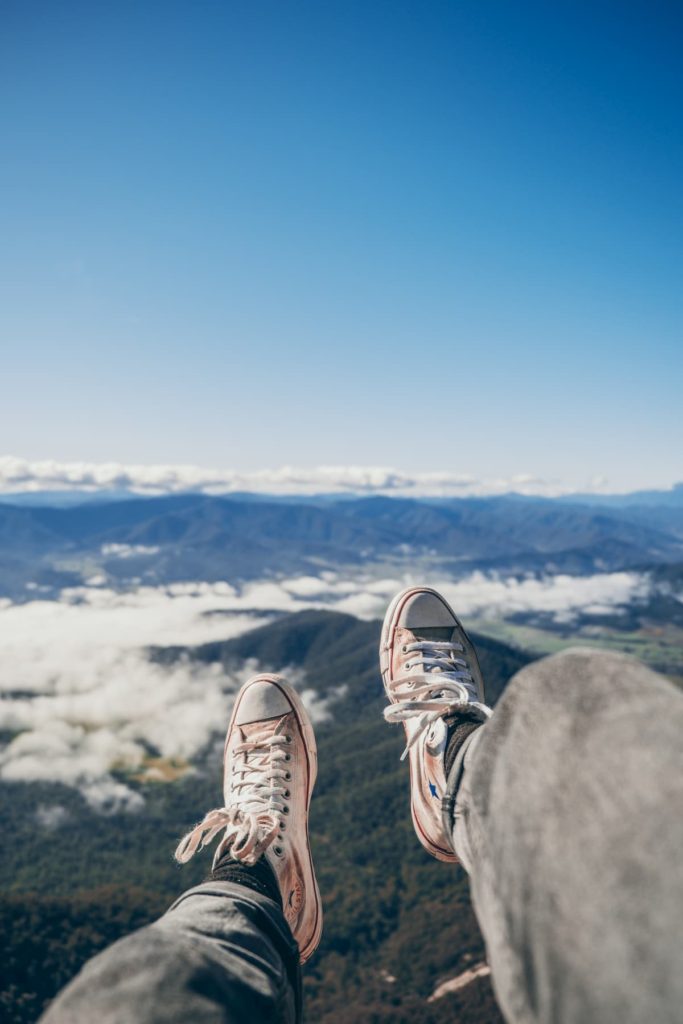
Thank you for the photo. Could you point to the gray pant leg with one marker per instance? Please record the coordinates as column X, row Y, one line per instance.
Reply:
column 222, row 954
column 568, row 819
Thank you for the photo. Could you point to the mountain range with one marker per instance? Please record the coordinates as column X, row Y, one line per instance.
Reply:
column 198, row 537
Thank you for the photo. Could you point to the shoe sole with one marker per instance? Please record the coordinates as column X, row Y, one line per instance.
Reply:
column 302, row 717
column 388, row 627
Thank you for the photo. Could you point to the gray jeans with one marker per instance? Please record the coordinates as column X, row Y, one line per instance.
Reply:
column 566, row 812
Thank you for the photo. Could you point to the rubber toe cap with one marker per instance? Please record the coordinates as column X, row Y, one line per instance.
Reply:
column 261, row 699
column 425, row 610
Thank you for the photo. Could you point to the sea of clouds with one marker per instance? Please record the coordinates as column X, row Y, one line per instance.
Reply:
column 23, row 475
column 80, row 698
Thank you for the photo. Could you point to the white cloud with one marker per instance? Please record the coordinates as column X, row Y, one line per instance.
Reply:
column 51, row 816
column 78, row 688
column 128, row 550
column 561, row 597
column 18, row 474
column 492, row 596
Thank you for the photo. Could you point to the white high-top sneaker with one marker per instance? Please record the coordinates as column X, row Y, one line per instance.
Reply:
column 431, row 673
column 270, row 767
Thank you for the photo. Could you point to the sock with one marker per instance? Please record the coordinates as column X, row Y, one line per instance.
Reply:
column 459, row 728
column 260, row 877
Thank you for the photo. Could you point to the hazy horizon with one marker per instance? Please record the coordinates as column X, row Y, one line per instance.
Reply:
column 21, row 476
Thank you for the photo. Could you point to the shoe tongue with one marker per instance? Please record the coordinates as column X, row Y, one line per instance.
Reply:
column 258, row 732
column 280, row 727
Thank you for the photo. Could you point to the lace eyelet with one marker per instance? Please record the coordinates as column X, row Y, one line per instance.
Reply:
column 287, row 794
column 288, row 776
column 404, row 649
column 288, row 739
column 285, row 810
column 278, row 851
column 288, row 757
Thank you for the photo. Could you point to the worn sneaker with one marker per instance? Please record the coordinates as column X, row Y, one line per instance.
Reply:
column 433, row 680
column 270, row 767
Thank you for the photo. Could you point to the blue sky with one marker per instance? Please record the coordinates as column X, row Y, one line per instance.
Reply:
column 435, row 236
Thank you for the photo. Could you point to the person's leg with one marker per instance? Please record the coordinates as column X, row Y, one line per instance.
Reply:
column 568, row 820
column 228, row 951
column 564, row 807
column 222, row 953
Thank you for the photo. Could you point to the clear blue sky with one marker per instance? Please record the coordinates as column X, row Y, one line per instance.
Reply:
column 426, row 235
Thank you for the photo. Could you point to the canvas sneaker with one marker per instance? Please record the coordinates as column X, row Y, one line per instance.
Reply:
column 270, row 767
column 432, row 678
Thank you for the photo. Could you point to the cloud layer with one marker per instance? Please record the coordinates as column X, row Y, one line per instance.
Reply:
column 21, row 475
column 81, row 698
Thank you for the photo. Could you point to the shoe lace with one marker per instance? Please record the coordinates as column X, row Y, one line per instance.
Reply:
column 435, row 683
column 253, row 815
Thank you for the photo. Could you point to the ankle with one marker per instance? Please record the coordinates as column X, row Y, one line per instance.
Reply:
column 459, row 745
column 259, row 877
column 459, row 728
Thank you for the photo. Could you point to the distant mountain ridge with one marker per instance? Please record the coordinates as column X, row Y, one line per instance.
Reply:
column 199, row 537
column 59, row 498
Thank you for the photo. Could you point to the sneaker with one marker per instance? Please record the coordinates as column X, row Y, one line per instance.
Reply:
column 432, row 678
column 270, row 767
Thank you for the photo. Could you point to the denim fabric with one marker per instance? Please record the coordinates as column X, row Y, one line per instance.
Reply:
column 569, row 820
column 222, row 954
